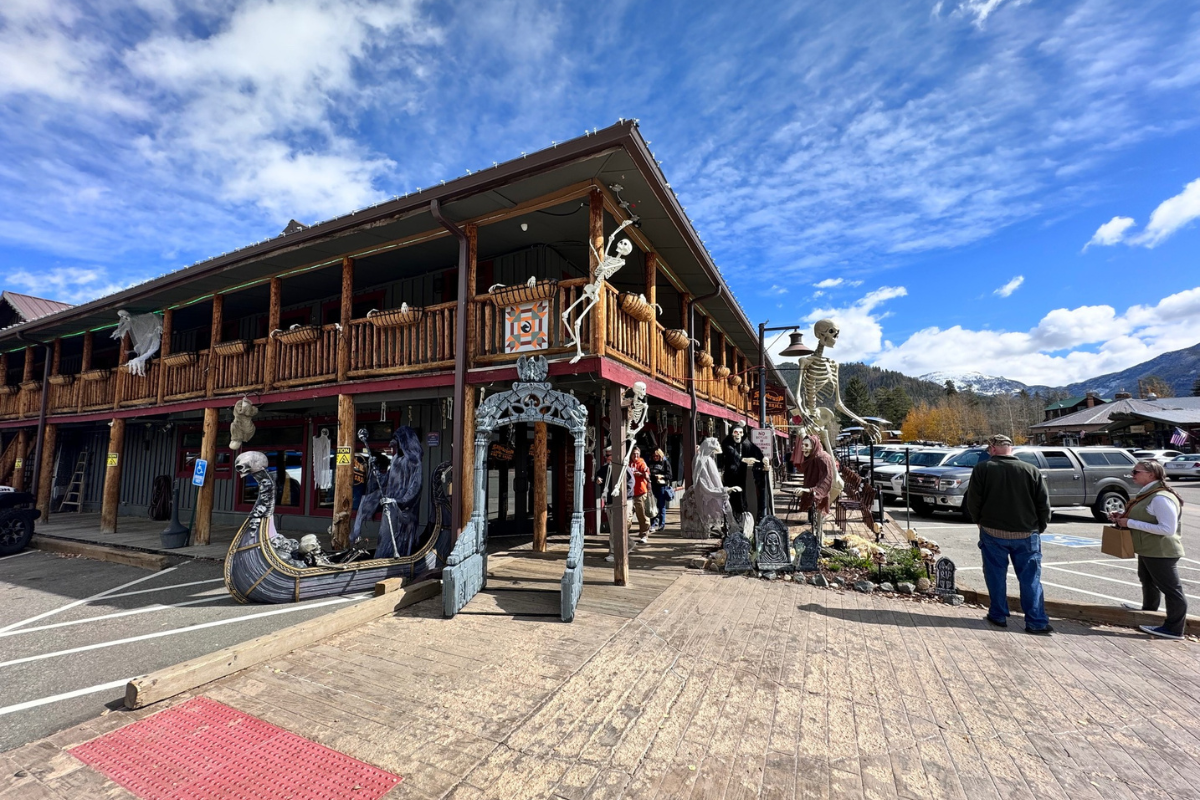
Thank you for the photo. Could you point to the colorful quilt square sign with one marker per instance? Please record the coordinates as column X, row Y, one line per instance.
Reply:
column 526, row 327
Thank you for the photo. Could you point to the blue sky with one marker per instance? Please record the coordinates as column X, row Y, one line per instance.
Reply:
column 935, row 170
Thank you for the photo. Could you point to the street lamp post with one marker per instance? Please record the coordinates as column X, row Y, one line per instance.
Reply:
column 795, row 348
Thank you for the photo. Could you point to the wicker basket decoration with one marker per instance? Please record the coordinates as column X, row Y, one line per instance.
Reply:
column 234, row 347
column 183, row 358
column 401, row 317
column 98, row 374
column 31, row 386
column 703, row 359
column 735, row 381
column 297, row 334
column 529, row 292
column 61, row 380
column 636, row 306
column 676, row 338
column 721, row 372
column 7, row 389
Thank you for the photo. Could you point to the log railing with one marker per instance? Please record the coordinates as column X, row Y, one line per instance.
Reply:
column 98, row 394
column 64, row 398
column 142, row 389
column 489, row 332
column 427, row 344
column 10, row 405
column 626, row 338
column 309, row 362
column 670, row 364
column 185, row 383
column 240, row 372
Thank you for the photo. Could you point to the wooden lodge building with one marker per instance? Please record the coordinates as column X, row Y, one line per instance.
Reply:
column 289, row 323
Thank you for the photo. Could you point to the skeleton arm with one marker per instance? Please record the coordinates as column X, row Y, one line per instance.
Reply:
column 871, row 429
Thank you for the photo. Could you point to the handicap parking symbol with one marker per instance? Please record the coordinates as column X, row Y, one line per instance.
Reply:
column 1069, row 541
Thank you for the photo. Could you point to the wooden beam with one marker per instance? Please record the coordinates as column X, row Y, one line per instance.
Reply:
column 272, row 360
column 46, row 473
column 539, row 487
column 345, row 316
column 618, row 519
column 343, row 472
column 165, row 350
column 596, row 237
column 56, row 363
column 652, row 338
column 98, row 552
column 122, row 360
column 202, row 529
column 188, row 675
column 214, row 338
column 27, row 368
column 112, row 476
column 472, row 279
column 18, row 478
column 466, row 482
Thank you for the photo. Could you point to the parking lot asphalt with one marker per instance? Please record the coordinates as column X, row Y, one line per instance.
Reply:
column 73, row 631
column 1073, row 568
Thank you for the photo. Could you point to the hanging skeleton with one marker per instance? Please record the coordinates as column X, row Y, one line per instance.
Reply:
column 639, row 412
column 606, row 267
column 145, row 334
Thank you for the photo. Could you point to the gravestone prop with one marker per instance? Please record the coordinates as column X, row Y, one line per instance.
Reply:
column 772, row 539
column 943, row 572
column 808, row 551
column 738, row 544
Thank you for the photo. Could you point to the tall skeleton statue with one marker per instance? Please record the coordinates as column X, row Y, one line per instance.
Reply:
column 639, row 412
column 818, row 384
column 606, row 267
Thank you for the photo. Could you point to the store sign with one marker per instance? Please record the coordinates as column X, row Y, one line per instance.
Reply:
column 20, row 462
column 1137, row 428
column 433, row 439
column 343, row 456
column 198, row 473
column 113, row 460
column 776, row 398
column 764, row 439
column 501, row 452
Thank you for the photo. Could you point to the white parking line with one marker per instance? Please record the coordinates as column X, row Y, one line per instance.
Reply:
column 188, row 629
column 1134, row 569
column 85, row 600
column 1112, row 580
column 54, row 698
column 131, row 612
column 16, row 555
column 1085, row 591
column 163, row 588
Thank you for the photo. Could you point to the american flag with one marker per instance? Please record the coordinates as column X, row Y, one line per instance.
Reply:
column 1180, row 437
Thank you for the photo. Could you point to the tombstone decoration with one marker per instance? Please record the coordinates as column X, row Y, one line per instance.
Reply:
column 808, row 551
column 943, row 572
column 738, row 545
column 772, row 539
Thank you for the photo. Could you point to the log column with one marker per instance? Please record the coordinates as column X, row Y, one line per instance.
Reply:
column 26, row 377
column 472, row 279
column 596, row 237
column 618, row 519
column 85, row 364
column 539, row 487
column 346, row 316
column 18, row 478
column 214, row 338
column 112, row 476
column 343, row 474
column 122, row 377
column 654, row 341
column 272, row 360
column 164, row 349
column 466, row 484
column 202, row 530
column 46, row 473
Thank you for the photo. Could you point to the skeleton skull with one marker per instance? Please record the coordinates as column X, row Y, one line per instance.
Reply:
column 639, row 389
column 738, row 433
column 250, row 462
column 624, row 248
column 826, row 332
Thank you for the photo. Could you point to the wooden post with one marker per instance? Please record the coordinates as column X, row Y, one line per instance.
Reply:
column 652, row 339
column 272, row 343
column 46, row 473
column 202, row 529
column 347, row 314
column 596, row 237
column 164, row 350
column 26, row 377
column 539, row 487
column 618, row 519
column 472, row 232
column 56, row 363
column 466, row 482
column 18, row 478
column 214, row 338
column 122, row 377
column 84, row 365
column 112, row 476
column 343, row 473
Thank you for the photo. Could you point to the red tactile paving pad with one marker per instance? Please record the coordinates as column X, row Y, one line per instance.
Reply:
column 203, row 750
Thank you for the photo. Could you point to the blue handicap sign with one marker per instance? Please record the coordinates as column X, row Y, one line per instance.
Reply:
column 1069, row 541
column 199, row 472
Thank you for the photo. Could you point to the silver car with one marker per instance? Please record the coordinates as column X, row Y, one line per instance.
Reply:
column 1182, row 467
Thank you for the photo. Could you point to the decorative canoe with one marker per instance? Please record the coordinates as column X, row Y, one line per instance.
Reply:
column 396, row 317
column 676, row 338
column 297, row 334
column 234, row 347
column 255, row 573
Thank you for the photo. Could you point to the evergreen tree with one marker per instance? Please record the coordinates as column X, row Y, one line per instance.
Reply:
column 893, row 405
column 858, row 397
column 950, row 389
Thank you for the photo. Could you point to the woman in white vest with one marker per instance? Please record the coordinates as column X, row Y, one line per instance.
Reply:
column 1153, row 517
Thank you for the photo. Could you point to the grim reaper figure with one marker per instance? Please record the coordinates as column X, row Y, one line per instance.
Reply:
column 145, row 334
column 398, row 491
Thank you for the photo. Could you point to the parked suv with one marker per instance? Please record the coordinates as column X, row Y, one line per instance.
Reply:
column 1100, row 478
column 888, row 477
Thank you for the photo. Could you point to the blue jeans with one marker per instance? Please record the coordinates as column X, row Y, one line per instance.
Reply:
column 1026, row 556
column 660, row 497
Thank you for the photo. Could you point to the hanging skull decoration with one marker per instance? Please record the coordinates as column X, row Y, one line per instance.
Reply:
column 145, row 334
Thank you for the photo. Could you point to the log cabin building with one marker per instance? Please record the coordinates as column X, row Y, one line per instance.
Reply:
column 299, row 325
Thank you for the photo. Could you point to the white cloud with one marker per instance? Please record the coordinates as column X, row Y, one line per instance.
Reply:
column 1172, row 215
column 979, row 10
column 777, row 289
column 1007, row 289
column 829, row 283
column 1110, row 232
column 67, row 284
column 859, row 323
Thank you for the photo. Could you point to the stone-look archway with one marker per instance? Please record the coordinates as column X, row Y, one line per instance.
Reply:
column 529, row 400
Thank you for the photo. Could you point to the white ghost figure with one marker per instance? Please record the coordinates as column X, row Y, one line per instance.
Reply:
column 145, row 334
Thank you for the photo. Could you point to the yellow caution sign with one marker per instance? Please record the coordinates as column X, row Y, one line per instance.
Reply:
column 19, row 463
column 343, row 456
column 113, row 459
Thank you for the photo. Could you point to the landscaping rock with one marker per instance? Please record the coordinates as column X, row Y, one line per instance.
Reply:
column 864, row 586
column 886, row 587
column 697, row 562
column 905, row 588
column 838, row 580
column 923, row 584
column 953, row 599
column 819, row 580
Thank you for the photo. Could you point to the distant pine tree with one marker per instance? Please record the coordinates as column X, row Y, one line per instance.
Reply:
column 950, row 388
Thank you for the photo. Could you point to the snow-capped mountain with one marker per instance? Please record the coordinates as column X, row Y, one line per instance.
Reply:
column 977, row 381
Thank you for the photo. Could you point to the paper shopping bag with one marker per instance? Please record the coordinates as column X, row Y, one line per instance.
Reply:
column 1116, row 542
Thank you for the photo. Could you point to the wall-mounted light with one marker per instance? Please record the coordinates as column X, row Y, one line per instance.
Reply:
column 524, row 226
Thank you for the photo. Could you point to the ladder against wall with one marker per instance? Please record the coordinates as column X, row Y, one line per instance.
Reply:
column 73, row 499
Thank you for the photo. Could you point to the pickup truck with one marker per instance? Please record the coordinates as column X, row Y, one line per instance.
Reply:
column 1099, row 478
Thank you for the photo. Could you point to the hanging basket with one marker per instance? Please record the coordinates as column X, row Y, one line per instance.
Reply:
column 676, row 338
column 735, row 381
column 636, row 306
column 396, row 317
column 704, row 359
column 504, row 296
column 301, row 334
column 7, row 389
column 235, row 347
column 722, row 372
column 31, row 386
column 98, row 374
column 61, row 380
column 181, row 359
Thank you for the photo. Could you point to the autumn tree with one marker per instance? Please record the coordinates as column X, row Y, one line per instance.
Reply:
column 1154, row 385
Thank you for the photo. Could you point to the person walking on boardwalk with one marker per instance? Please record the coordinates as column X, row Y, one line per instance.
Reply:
column 661, row 477
column 1156, row 526
column 641, row 492
column 1009, row 501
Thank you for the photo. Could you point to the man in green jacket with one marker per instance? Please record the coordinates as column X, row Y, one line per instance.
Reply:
column 1009, row 501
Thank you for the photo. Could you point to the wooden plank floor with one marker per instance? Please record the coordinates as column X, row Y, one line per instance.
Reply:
column 136, row 532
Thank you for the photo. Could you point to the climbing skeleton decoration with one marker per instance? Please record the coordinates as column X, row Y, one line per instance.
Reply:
column 606, row 267
column 819, row 383
column 639, row 412
column 145, row 333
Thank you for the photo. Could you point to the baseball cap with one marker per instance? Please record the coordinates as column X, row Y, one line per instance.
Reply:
column 999, row 439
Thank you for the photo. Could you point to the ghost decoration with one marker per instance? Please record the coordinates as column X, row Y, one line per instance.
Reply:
column 145, row 334
column 241, row 430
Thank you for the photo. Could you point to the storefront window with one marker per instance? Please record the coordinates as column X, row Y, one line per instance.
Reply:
column 287, row 470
